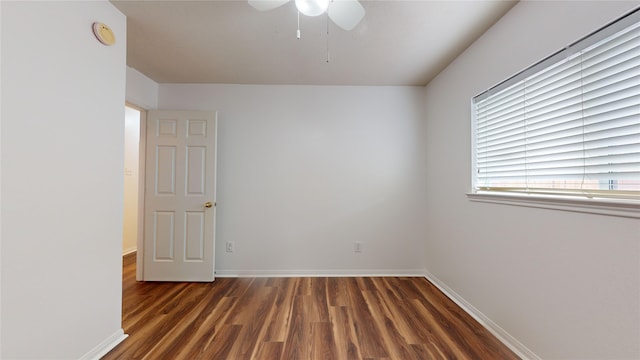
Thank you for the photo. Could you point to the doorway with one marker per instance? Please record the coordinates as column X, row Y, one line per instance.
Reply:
column 134, row 166
column 193, row 135
column 131, row 180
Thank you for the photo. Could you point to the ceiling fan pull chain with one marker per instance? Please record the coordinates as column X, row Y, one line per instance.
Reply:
column 298, row 33
column 327, row 37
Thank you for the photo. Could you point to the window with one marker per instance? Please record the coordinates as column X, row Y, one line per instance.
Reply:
column 568, row 126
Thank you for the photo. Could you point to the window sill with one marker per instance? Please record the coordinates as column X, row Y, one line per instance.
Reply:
column 601, row 206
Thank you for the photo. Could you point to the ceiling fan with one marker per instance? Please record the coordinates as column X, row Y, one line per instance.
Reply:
column 344, row 13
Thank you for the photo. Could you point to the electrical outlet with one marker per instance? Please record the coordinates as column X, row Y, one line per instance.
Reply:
column 357, row 247
column 229, row 246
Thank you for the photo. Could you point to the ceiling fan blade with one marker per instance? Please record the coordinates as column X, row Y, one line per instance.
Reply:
column 264, row 5
column 346, row 13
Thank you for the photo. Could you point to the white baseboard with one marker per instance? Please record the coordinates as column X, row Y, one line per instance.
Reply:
column 104, row 347
column 502, row 335
column 320, row 273
column 129, row 251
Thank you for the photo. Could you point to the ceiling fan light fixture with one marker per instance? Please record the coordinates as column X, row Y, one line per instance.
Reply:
column 312, row 7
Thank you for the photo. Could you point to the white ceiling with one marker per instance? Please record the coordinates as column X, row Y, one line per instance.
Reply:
column 397, row 42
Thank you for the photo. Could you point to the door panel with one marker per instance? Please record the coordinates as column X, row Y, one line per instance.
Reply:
column 194, row 236
column 165, row 176
column 180, row 180
column 196, row 170
column 163, row 235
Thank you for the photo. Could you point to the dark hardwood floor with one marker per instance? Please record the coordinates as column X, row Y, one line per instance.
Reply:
column 298, row 318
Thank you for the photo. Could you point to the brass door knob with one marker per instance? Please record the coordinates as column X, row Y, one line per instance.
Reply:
column 208, row 204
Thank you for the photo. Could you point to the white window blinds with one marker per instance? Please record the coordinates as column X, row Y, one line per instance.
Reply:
column 570, row 124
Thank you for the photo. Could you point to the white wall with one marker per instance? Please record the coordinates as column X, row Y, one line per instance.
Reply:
column 141, row 90
column 305, row 171
column 567, row 285
column 62, row 160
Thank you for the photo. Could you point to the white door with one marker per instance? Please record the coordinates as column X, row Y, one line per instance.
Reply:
column 180, row 200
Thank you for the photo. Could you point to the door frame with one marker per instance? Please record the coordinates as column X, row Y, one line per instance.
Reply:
column 142, row 146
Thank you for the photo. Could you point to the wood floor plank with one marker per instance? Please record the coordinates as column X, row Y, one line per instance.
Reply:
column 417, row 322
column 320, row 300
column 254, row 318
column 269, row 350
column 337, row 292
column 205, row 329
column 224, row 340
column 394, row 342
column 297, row 343
column 282, row 307
column 177, row 340
column 368, row 334
column 344, row 334
column 379, row 318
column 466, row 331
column 397, row 310
column 441, row 329
column 323, row 344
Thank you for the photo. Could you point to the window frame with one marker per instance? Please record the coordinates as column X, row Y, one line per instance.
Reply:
column 613, row 203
